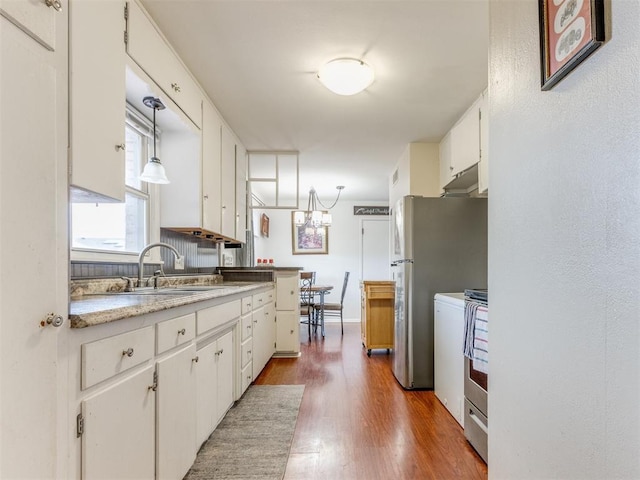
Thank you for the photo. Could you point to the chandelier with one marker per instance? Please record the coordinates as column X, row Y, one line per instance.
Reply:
column 313, row 217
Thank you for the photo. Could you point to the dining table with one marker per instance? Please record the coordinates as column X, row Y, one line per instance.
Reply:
column 320, row 291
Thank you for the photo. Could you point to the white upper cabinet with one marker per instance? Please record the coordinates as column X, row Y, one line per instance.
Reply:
column 483, row 166
column 35, row 18
column 228, row 185
column 241, row 192
column 147, row 46
column 465, row 140
column 445, row 160
column 460, row 152
column 211, row 168
column 97, row 98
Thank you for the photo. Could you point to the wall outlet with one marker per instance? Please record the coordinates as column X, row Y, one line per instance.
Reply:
column 227, row 260
column 179, row 263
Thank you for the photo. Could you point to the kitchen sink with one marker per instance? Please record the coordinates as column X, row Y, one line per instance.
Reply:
column 177, row 290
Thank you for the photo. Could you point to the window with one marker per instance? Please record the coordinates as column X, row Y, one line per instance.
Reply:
column 119, row 227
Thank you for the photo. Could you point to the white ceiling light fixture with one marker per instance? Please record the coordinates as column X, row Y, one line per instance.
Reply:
column 346, row 76
column 154, row 171
column 313, row 217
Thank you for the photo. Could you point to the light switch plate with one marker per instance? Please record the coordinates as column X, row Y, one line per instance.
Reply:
column 179, row 263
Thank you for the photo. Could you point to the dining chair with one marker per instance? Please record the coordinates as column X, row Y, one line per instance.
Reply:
column 335, row 309
column 306, row 298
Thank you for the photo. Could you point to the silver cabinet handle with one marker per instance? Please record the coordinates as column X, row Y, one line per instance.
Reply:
column 182, row 331
column 120, row 146
column 196, row 359
column 52, row 319
column 176, row 87
column 55, row 4
column 206, row 197
column 248, row 353
column 128, row 352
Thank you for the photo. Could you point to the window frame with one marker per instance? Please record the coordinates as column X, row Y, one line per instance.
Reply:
column 134, row 119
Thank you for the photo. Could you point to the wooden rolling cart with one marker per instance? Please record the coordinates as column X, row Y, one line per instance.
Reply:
column 377, row 313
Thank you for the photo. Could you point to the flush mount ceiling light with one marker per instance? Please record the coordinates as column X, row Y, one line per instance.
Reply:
column 154, row 171
column 346, row 76
column 313, row 217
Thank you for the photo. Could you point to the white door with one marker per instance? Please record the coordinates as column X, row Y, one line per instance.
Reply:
column 224, row 368
column 374, row 258
column 33, row 277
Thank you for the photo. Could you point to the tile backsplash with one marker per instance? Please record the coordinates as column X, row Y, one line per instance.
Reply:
column 201, row 256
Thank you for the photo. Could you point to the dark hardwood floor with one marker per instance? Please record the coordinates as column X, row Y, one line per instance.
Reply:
column 357, row 422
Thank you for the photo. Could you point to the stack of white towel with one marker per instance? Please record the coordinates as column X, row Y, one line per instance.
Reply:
column 476, row 334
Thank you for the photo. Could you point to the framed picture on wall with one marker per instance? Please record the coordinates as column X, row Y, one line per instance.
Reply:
column 570, row 31
column 309, row 240
column 264, row 225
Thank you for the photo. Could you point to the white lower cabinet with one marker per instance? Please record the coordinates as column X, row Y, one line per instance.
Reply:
column 214, row 385
column 119, row 438
column 264, row 331
column 287, row 313
column 176, row 413
column 144, row 406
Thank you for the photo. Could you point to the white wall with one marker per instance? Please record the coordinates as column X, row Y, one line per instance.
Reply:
column 344, row 251
column 564, row 255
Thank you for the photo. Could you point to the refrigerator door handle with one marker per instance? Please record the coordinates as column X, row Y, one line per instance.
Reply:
column 406, row 260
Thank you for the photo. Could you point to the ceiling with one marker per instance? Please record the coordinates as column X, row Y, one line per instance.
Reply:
column 257, row 60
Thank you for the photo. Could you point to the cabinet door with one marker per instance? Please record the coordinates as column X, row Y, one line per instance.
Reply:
column 36, row 19
column 150, row 50
column 225, row 375
column 211, row 168
column 465, row 140
column 33, row 181
column 206, row 392
column 176, row 421
column 119, row 434
column 270, row 331
column 483, row 166
column 97, row 96
column 287, row 291
column 259, row 341
column 228, row 183
column 287, row 332
column 445, row 161
column 241, row 193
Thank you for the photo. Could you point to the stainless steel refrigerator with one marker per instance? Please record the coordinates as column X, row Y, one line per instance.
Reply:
column 439, row 245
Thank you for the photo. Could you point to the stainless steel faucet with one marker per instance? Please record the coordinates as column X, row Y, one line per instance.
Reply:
column 145, row 250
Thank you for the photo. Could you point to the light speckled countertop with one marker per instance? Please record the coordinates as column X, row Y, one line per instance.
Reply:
column 101, row 307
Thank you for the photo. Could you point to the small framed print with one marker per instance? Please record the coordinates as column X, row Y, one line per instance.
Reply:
column 264, row 225
column 570, row 31
column 309, row 240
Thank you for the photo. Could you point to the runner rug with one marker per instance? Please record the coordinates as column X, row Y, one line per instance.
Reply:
column 254, row 438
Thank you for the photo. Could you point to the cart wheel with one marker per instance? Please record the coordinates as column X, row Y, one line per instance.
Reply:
column 368, row 352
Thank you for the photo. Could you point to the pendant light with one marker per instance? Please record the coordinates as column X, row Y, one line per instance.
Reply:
column 312, row 217
column 154, row 171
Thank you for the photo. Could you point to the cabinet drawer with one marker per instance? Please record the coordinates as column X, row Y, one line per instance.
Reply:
column 215, row 316
column 247, row 304
column 247, row 353
column 149, row 50
column 108, row 357
column 246, row 377
column 261, row 299
column 175, row 332
column 246, row 326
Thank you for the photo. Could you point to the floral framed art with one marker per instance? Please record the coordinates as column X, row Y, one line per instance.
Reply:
column 570, row 31
column 309, row 240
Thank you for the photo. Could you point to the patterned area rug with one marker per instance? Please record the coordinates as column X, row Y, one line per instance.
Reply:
column 254, row 438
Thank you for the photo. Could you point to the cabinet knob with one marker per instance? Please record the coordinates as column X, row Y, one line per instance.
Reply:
column 52, row 319
column 120, row 146
column 176, row 87
column 55, row 4
column 182, row 331
column 128, row 352
column 291, row 332
column 195, row 360
column 451, row 167
column 206, row 197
